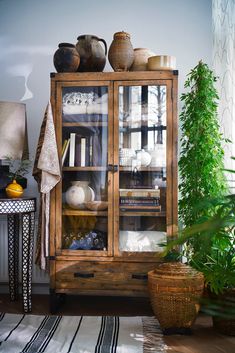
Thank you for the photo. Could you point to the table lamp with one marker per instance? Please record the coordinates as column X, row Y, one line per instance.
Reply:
column 13, row 139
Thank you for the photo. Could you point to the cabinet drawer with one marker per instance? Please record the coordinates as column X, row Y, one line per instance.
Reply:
column 102, row 276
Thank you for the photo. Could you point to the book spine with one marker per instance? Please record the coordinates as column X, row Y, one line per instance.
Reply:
column 83, row 152
column 87, row 157
column 96, row 158
column 72, row 149
column 78, row 151
column 65, row 153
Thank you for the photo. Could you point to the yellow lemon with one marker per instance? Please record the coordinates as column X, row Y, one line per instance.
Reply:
column 14, row 190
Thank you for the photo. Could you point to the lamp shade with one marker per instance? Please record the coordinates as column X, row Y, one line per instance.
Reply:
column 13, row 131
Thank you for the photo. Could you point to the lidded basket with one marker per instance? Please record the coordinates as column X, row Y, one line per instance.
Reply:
column 121, row 52
column 175, row 289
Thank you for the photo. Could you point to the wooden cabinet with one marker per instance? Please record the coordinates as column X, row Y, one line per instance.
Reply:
column 117, row 200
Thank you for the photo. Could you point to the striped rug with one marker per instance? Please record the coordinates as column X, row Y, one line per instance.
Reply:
column 79, row 334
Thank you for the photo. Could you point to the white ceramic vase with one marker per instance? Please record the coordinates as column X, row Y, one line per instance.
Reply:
column 78, row 194
column 144, row 157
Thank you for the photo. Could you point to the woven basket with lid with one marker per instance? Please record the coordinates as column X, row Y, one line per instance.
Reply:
column 175, row 289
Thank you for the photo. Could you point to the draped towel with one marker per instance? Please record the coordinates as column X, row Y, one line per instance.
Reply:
column 47, row 173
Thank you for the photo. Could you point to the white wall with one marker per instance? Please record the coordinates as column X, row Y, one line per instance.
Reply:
column 30, row 31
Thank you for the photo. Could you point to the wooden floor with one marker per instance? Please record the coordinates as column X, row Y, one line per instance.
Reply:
column 203, row 340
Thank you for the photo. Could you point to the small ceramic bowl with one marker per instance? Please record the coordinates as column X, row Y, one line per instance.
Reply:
column 97, row 205
column 161, row 62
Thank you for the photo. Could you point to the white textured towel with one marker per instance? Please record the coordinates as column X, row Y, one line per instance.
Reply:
column 47, row 173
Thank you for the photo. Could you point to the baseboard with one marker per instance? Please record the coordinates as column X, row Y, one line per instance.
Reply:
column 37, row 288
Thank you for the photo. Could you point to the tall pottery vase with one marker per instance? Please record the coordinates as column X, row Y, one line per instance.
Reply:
column 121, row 52
column 175, row 290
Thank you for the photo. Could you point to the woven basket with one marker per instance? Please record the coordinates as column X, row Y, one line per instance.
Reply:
column 175, row 289
column 226, row 304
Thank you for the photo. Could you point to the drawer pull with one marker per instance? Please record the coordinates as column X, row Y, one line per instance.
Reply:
column 139, row 276
column 83, row 275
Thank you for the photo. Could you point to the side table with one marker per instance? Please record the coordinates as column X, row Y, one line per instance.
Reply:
column 20, row 211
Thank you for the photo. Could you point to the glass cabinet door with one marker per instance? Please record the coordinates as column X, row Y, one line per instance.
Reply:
column 85, row 175
column 142, row 136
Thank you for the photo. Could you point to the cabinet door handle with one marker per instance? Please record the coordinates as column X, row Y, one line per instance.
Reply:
column 83, row 275
column 139, row 276
column 112, row 168
column 115, row 168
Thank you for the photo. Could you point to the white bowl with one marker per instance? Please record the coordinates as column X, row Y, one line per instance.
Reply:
column 161, row 62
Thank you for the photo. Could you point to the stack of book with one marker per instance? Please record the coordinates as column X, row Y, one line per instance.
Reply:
column 81, row 151
column 140, row 200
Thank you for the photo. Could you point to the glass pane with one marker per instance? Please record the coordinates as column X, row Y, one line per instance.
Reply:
column 142, row 159
column 85, row 159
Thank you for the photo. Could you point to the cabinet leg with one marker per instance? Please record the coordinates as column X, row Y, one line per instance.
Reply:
column 56, row 300
column 13, row 255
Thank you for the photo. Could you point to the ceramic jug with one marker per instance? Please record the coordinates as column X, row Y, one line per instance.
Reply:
column 121, row 52
column 92, row 55
column 66, row 58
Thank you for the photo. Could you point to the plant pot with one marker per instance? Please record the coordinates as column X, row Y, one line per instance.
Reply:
column 224, row 305
column 175, row 289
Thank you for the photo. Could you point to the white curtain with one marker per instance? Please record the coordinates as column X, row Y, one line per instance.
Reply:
column 223, row 22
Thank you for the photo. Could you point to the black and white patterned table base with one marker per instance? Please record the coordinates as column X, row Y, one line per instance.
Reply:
column 20, row 212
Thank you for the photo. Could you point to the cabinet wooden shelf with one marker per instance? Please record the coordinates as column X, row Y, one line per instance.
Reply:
column 69, row 212
column 84, row 169
column 110, row 251
column 142, row 214
column 86, row 124
column 141, row 169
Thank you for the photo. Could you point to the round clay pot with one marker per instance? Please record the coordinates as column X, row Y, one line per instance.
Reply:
column 92, row 55
column 121, row 52
column 78, row 194
column 66, row 58
column 140, row 62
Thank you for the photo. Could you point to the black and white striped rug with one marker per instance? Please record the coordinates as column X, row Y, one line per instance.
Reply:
column 79, row 334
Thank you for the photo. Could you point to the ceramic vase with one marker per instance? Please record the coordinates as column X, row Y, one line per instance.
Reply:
column 121, row 52
column 14, row 190
column 78, row 194
column 141, row 56
column 144, row 157
column 92, row 54
column 66, row 58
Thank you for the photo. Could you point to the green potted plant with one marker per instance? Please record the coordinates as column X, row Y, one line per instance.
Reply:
column 201, row 171
column 201, row 158
column 218, row 260
column 206, row 213
column 17, row 181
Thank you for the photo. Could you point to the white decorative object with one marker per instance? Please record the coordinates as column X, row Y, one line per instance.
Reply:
column 158, row 155
column 126, row 155
column 161, row 62
column 144, row 157
column 85, row 103
column 141, row 240
column 78, row 194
